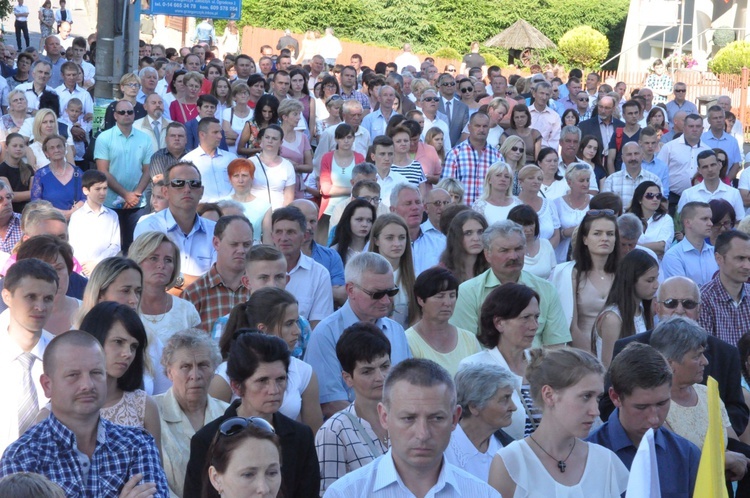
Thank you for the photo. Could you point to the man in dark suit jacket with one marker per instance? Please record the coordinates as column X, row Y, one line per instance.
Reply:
column 458, row 114
column 723, row 359
column 594, row 125
column 206, row 109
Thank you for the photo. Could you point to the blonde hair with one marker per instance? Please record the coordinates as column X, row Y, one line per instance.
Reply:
column 36, row 127
column 418, row 86
column 288, row 106
column 129, row 78
column 192, row 75
column 513, row 141
column 146, row 244
column 29, row 485
column 559, row 369
column 497, row 102
column 492, row 170
column 527, row 171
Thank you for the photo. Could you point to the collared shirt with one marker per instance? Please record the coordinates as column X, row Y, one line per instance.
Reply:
column 94, row 235
column 657, row 167
column 565, row 103
column 546, row 122
column 673, row 108
column 12, row 372
column 469, row 166
column 607, row 130
column 700, row 193
column 375, row 123
column 50, row 448
column 462, row 453
column 212, row 298
column 13, row 234
column 623, row 184
column 676, row 458
column 682, row 160
column 381, row 480
column 427, row 248
column 553, row 326
column 684, row 260
column 127, row 156
column 387, row 184
column 722, row 316
column 359, row 97
column 176, row 431
column 213, row 170
column 725, row 142
column 310, row 283
column 55, row 78
column 341, row 448
column 161, row 160
column 77, row 93
column 321, row 351
column 327, row 143
column 442, row 124
column 331, row 260
column 196, row 248
column 32, row 98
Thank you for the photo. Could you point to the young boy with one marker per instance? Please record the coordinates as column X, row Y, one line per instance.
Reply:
column 73, row 118
column 94, row 230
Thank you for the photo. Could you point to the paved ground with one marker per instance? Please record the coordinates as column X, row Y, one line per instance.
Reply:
column 84, row 20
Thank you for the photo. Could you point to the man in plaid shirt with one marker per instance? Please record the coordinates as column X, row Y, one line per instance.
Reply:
column 74, row 447
column 469, row 161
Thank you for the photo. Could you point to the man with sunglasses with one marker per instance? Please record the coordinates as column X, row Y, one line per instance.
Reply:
column 456, row 111
column 680, row 103
column 680, row 296
column 370, row 290
column 433, row 118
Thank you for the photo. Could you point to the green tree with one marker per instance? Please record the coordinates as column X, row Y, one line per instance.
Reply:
column 731, row 59
column 584, row 46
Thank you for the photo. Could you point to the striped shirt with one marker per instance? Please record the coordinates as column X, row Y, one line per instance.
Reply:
column 413, row 172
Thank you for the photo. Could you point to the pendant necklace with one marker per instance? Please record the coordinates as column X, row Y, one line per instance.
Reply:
column 560, row 463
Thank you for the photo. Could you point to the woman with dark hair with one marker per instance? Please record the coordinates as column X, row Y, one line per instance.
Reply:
column 432, row 337
column 185, row 108
column 257, row 367
column 275, row 312
column 588, row 152
column 328, row 87
column 257, row 86
column 336, row 170
column 627, row 310
column 298, row 90
column 353, row 230
column 657, row 119
column 176, row 90
column 266, row 113
column 723, row 159
column 222, row 90
column 275, row 178
column 647, row 205
column 570, row 118
column 464, row 252
column 723, row 217
column 520, row 126
column 585, row 282
column 553, row 183
column 119, row 330
column 244, row 443
column 540, row 255
column 508, row 323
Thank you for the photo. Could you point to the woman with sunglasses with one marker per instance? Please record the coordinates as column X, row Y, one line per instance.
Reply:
column 390, row 238
column 627, row 310
column 466, row 94
column 658, row 232
column 572, row 207
column 520, row 126
column 513, row 150
column 496, row 200
column 257, row 367
column 241, row 444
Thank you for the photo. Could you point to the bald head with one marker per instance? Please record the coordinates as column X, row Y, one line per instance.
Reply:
column 306, row 206
column 71, row 338
column 679, row 289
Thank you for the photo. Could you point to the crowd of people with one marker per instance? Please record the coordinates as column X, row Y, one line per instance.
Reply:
column 304, row 278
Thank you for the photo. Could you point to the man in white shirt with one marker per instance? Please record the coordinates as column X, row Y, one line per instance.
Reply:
column 712, row 187
column 309, row 281
column 543, row 119
column 407, row 58
column 211, row 161
column 29, row 290
column 70, row 89
column 425, row 391
column 429, row 102
column 382, row 157
column 41, row 72
column 426, row 246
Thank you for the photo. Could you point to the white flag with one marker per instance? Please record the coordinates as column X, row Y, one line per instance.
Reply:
column 644, row 473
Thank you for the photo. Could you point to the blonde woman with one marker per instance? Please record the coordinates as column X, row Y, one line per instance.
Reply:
column 418, row 86
column 530, row 180
column 45, row 125
column 130, row 84
column 513, row 150
column 497, row 200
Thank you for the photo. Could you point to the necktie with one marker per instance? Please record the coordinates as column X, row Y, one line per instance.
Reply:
column 28, row 406
column 448, row 111
column 155, row 126
column 63, row 15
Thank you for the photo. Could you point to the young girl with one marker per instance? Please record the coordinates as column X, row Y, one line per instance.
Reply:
column 353, row 230
column 588, row 150
column 266, row 113
column 464, row 253
column 299, row 90
column 390, row 238
column 435, row 138
column 222, row 90
column 273, row 311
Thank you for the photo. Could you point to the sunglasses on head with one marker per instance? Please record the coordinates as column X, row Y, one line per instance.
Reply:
column 672, row 304
column 129, row 112
column 651, row 196
column 595, row 213
column 235, row 425
column 194, row 184
column 378, row 295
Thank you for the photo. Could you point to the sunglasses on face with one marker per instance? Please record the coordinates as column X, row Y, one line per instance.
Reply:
column 680, row 91
column 453, row 83
column 672, row 304
column 651, row 196
column 431, row 99
column 129, row 112
column 451, row 70
column 235, row 425
column 583, row 100
column 194, row 184
column 378, row 295
column 467, row 89
column 517, row 149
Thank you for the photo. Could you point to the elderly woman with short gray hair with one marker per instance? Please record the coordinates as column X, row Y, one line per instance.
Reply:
column 485, row 393
column 189, row 359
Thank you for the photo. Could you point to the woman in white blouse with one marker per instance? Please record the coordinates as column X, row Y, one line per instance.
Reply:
column 485, row 393
column 658, row 230
column 530, row 181
column 540, row 255
column 275, row 177
column 572, row 207
column 497, row 200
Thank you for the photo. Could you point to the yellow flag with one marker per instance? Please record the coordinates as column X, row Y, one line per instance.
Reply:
column 710, row 482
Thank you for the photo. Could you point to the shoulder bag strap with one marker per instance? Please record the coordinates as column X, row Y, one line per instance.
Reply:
column 374, row 449
column 268, row 181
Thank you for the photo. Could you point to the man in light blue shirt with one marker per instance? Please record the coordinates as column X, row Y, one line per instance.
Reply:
column 693, row 257
column 717, row 138
column 426, row 392
column 370, row 290
column 211, row 161
column 426, row 246
column 376, row 121
column 680, row 103
column 192, row 234
column 648, row 142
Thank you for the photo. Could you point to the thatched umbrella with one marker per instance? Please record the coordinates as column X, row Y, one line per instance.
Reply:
column 520, row 38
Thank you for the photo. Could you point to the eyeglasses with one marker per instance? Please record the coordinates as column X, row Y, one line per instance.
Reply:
column 726, row 225
column 431, row 99
column 672, row 304
column 378, row 295
column 440, row 203
column 235, row 425
column 595, row 213
column 467, row 89
column 129, row 112
column 517, row 149
column 453, row 70
column 178, row 183
column 509, row 92
column 452, row 83
column 371, row 200
column 651, row 196
column 132, row 85
column 680, row 91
